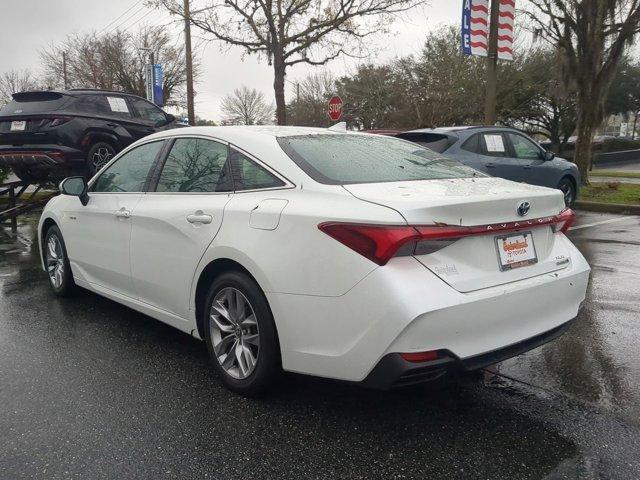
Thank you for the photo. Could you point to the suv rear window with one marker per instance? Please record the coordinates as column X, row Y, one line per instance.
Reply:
column 34, row 102
column 357, row 158
column 437, row 142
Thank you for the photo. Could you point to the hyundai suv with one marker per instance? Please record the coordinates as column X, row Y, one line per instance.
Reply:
column 48, row 135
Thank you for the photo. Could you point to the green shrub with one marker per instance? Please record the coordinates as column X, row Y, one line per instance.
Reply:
column 619, row 145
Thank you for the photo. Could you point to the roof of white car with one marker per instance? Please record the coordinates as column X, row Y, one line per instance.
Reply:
column 247, row 131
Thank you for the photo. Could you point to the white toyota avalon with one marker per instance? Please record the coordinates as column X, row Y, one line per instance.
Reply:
column 350, row 256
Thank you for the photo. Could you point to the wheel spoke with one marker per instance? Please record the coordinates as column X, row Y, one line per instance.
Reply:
column 248, row 357
column 223, row 345
column 52, row 248
column 240, row 306
column 242, row 362
column 230, row 358
column 220, row 308
column 251, row 339
column 224, row 328
column 249, row 321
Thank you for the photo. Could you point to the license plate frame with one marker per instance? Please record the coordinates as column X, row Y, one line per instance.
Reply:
column 530, row 258
column 18, row 126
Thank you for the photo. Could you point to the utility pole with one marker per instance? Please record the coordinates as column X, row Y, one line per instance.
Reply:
column 64, row 70
column 492, row 66
column 298, row 92
column 189, row 60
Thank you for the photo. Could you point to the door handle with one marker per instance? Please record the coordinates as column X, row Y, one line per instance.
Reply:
column 199, row 217
column 123, row 213
column 527, row 167
column 490, row 165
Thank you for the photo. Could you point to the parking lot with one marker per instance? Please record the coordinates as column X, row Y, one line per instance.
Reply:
column 92, row 389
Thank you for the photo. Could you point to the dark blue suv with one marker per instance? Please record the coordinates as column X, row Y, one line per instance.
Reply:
column 502, row 152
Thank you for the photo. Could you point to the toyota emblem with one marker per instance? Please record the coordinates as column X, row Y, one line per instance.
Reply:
column 523, row 208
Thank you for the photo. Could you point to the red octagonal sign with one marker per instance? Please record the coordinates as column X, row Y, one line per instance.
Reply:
column 335, row 108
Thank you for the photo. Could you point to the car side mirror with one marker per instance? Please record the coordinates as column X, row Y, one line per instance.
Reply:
column 76, row 187
column 548, row 155
column 170, row 118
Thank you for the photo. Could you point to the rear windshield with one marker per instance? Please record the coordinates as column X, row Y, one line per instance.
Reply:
column 433, row 141
column 341, row 159
column 34, row 102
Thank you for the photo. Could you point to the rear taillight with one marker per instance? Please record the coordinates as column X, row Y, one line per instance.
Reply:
column 379, row 243
column 563, row 220
column 55, row 122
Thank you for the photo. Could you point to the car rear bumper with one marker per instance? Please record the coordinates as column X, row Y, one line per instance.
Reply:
column 43, row 157
column 405, row 308
column 394, row 371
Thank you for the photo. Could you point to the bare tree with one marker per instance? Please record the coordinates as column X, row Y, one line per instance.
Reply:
column 310, row 106
column 246, row 106
column 16, row 81
column 289, row 32
column 591, row 36
column 115, row 61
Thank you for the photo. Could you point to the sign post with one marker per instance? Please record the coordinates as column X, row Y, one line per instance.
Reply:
column 488, row 32
column 335, row 108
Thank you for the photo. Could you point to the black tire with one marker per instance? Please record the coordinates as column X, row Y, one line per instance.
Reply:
column 31, row 175
column 98, row 156
column 568, row 189
column 267, row 365
column 66, row 284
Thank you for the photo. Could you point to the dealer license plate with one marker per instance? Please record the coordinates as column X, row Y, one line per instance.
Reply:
column 516, row 250
column 18, row 125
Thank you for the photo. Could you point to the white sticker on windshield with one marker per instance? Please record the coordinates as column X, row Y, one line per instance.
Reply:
column 494, row 143
column 118, row 104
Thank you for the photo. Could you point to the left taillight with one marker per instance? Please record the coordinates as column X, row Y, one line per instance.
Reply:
column 56, row 122
column 378, row 243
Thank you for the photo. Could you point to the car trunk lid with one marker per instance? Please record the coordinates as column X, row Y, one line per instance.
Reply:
column 472, row 262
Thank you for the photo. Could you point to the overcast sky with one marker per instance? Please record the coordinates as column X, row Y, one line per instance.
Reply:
column 28, row 25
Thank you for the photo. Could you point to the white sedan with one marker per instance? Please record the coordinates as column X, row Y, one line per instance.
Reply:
column 349, row 256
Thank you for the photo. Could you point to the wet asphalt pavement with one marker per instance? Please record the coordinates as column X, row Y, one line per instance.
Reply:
column 90, row 389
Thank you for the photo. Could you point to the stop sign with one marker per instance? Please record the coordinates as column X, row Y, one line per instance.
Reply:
column 335, row 108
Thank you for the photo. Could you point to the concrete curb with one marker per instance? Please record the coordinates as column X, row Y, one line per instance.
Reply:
column 608, row 207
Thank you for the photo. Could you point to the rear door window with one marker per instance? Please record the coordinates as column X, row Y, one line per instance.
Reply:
column 472, row 144
column 196, row 165
column 339, row 159
column 130, row 172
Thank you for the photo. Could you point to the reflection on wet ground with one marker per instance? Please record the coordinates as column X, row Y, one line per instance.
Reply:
column 597, row 362
column 91, row 389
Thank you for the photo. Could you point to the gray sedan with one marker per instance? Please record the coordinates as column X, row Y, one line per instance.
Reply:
column 502, row 152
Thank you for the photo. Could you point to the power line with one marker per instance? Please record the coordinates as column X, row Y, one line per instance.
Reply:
column 127, row 23
column 119, row 17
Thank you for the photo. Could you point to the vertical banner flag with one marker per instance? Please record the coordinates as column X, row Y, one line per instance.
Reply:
column 157, row 85
column 506, row 16
column 475, row 27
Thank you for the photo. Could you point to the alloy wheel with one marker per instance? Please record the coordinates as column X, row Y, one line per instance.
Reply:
column 55, row 261
column 234, row 333
column 567, row 191
column 101, row 157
